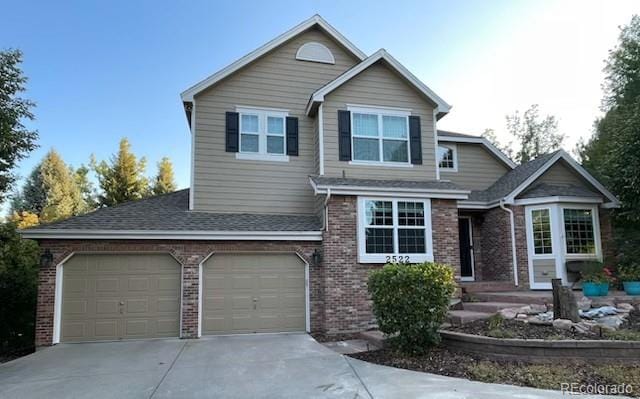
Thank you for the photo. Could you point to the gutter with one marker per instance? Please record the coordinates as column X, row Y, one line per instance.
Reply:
column 76, row 234
column 514, row 257
column 325, row 222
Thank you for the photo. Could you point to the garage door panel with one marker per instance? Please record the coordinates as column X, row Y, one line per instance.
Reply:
column 232, row 281
column 95, row 285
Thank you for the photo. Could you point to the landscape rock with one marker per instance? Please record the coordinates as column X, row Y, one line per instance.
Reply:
column 584, row 303
column 533, row 309
column 587, row 327
column 508, row 313
column 611, row 322
column 546, row 317
column 624, row 307
column 535, row 320
column 601, row 302
column 522, row 316
column 599, row 312
column 562, row 324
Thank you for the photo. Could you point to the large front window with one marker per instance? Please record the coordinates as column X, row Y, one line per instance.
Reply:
column 541, row 228
column 262, row 132
column 380, row 136
column 394, row 230
column 578, row 230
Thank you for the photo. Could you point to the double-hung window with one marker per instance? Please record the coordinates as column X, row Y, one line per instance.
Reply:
column 579, row 231
column 379, row 135
column 262, row 132
column 394, row 230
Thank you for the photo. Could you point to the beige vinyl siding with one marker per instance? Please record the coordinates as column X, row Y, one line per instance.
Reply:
column 378, row 86
column 544, row 270
column 477, row 168
column 560, row 173
column 277, row 80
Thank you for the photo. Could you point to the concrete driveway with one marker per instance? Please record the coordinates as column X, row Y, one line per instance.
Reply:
column 250, row 366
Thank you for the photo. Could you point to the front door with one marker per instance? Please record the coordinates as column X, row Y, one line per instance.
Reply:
column 466, row 249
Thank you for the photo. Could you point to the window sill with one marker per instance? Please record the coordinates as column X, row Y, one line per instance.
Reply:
column 261, row 157
column 382, row 258
column 383, row 164
column 450, row 170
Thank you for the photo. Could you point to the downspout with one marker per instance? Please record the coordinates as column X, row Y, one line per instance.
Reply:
column 326, row 211
column 321, row 140
column 514, row 257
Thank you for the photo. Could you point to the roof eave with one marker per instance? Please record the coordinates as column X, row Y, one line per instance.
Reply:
column 79, row 234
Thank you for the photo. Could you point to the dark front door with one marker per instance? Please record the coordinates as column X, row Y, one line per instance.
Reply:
column 466, row 249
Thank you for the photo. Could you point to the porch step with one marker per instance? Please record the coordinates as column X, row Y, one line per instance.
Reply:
column 490, row 307
column 486, row 286
column 459, row 317
column 521, row 297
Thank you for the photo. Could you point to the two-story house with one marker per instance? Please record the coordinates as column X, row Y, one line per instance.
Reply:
column 311, row 165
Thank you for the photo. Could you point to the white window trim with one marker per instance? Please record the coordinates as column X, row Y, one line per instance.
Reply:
column 262, row 114
column 558, row 240
column 380, row 112
column 596, row 232
column 364, row 257
column 454, row 150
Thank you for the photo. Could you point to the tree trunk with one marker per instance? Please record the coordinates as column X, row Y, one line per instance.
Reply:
column 565, row 305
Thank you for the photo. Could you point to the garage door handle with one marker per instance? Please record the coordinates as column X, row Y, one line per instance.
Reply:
column 255, row 303
column 121, row 307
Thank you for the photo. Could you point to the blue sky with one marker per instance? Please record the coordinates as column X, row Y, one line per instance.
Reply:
column 99, row 71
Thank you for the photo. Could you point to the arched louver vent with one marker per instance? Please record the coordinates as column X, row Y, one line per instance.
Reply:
column 315, row 52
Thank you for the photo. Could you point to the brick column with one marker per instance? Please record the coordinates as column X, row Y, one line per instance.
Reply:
column 446, row 240
column 606, row 234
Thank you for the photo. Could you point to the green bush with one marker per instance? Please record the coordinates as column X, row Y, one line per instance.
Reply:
column 18, row 289
column 410, row 302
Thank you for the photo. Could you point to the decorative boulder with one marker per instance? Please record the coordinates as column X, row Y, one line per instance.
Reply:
column 508, row 314
column 584, row 304
column 562, row 324
column 624, row 307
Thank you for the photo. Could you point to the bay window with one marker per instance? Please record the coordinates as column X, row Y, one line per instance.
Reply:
column 579, row 231
column 380, row 135
column 394, row 230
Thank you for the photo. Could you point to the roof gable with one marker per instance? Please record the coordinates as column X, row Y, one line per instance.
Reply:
column 315, row 21
column 453, row 137
column 381, row 55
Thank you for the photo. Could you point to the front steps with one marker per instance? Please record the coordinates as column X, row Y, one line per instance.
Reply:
column 489, row 307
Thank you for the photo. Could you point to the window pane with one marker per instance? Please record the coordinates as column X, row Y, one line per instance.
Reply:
column 366, row 149
column 445, row 157
column 394, row 151
column 394, row 127
column 275, row 145
column 365, row 124
column 249, row 143
column 379, row 213
column 578, row 227
column 410, row 214
column 411, row 241
column 379, row 241
column 250, row 123
column 275, row 125
column 541, row 226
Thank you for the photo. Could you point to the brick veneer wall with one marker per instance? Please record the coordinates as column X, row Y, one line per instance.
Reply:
column 189, row 253
column 347, row 305
column 606, row 234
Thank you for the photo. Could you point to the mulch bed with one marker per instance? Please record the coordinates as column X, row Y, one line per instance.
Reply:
column 9, row 355
column 333, row 337
column 452, row 363
column 518, row 329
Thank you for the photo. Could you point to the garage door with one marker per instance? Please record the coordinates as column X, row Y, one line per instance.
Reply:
column 120, row 296
column 246, row 293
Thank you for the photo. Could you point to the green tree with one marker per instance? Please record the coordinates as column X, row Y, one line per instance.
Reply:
column 490, row 135
column 122, row 179
column 535, row 135
column 16, row 141
column 18, row 289
column 164, row 181
column 86, row 188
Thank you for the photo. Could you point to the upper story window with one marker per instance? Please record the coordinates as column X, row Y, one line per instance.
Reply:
column 394, row 230
column 447, row 157
column 262, row 131
column 380, row 135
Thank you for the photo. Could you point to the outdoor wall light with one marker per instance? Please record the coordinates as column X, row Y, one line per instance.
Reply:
column 46, row 258
column 317, row 257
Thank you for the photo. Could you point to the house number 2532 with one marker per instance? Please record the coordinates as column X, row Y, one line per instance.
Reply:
column 398, row 259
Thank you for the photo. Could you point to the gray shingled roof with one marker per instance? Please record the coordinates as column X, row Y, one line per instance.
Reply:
column 455, row 134
column 372, row 183
column 550, row 190
column 510, row 181
column 170, row 212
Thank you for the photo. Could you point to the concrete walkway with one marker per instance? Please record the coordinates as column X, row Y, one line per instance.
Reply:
column 252, row 366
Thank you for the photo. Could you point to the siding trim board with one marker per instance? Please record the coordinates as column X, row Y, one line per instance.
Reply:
column 172, row 235
column 316, row 20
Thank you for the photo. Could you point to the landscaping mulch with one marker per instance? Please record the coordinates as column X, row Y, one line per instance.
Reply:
column 320, row 337
column 519, row 329
column 447, row 362
column 8, row 355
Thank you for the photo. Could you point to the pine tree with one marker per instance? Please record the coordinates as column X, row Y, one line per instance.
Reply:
column 122, row 179
column 164, row 182
column 86, row 188
column 63, row 197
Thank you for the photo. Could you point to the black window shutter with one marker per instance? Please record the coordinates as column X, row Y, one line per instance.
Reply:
column 344, row 135
column 292, row 136
column 232, row 131
column 415, row 140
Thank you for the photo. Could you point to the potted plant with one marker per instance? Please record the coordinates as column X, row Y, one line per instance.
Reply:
column 629, row 274
column 595, row 281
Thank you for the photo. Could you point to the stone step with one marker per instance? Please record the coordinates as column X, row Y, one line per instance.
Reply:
column 459, row 317
column 490, row 307
column 373, row 337
column 524, row 297
column 486, row 286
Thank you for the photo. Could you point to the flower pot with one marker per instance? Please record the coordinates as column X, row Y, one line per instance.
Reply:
column 632, row 287
column 604, row 289
column 591, row 289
